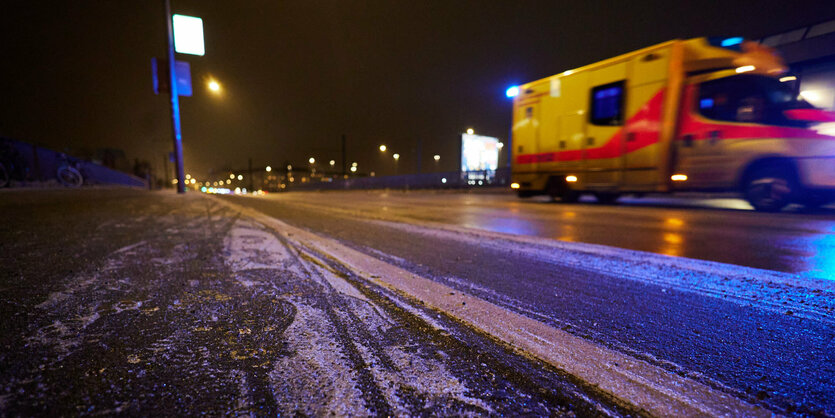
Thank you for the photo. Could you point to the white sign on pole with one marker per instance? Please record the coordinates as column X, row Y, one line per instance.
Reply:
column 188, row 35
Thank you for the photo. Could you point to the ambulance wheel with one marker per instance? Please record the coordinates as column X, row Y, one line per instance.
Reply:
column 607, row 198
column 770, row 189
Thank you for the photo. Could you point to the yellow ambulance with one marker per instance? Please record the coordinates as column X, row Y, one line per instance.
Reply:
column 703, row 114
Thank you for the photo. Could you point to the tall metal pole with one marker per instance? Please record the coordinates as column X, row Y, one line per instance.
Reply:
column 344, row 159
column 249, row 174
column 419, row 153
column 175, row 103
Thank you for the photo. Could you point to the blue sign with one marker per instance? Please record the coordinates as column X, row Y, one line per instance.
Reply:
column 159, row 71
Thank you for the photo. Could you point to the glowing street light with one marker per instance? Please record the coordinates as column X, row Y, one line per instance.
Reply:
column 269, row 169
column 437, row 157
column 396, row 157
column 232, row 176
column 214, row 86
column 470, row 131
column 332, row 162
column 382, row 148
column 354, row 169
column 240, row 177
column 311, row 160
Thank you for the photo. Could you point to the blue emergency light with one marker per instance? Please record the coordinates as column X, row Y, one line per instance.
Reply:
column 731, row 41
column 512, row 91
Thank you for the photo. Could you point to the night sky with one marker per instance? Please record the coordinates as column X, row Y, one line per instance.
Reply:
column 297, row 74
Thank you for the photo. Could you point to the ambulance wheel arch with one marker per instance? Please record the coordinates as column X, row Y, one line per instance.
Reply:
column 770, row 184
column 558, row 188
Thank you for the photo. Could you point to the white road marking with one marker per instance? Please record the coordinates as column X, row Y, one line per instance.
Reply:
column 633, row 381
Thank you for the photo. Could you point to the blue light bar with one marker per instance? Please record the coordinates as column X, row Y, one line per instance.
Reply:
column 512, row 91
column 731, row 41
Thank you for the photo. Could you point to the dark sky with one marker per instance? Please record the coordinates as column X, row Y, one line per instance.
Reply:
column 298, row 74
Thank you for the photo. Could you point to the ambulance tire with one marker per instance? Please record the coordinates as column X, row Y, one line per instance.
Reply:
column 770, row 189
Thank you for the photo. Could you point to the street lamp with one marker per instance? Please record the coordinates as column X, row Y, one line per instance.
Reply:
column 383, row 148
column 332, row 163
column 269, row 169
column 470, row 131
column 311, row 160
column 232, row 176
column 437, row 157
column 240, row 177
column 214, row 86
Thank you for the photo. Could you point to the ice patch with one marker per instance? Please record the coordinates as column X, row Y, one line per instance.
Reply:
column 318, row 379
column 250, row 247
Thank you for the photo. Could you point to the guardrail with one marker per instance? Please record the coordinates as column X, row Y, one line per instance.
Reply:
column 445, row 180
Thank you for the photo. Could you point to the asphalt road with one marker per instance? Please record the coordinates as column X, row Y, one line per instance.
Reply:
column 129, row 302
column 719, row 229
column 766, row 336
column 421, row 303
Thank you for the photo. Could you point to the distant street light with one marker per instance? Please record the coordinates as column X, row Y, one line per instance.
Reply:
column 396, row 157
column 382, row 148
column 269, row 169
column 354, row 169
column 289, row 167
column 437, row 157
column 232, row 176
column 470, row 131
column 332, row 163
column 214, row 86
column 240, row 177
column 311, row 160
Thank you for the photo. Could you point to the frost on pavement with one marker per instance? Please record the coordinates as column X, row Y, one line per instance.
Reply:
column 183, row 305
column 341, row 361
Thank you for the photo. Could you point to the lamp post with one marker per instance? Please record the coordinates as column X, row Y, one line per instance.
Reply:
column 383, row 149
column 175, row 103
column 189, row 40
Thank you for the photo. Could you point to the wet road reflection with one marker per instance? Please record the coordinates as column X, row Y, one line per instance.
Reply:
column 724, row 230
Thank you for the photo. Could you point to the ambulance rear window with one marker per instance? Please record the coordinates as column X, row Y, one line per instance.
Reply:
column 607, row 104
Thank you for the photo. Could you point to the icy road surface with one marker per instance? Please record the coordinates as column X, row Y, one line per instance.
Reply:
column 767, row 337
column 141, row 303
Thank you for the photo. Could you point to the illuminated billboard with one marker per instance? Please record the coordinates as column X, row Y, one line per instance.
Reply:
column 479, row 153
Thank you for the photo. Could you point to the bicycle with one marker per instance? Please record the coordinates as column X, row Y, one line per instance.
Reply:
column 69, row 172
